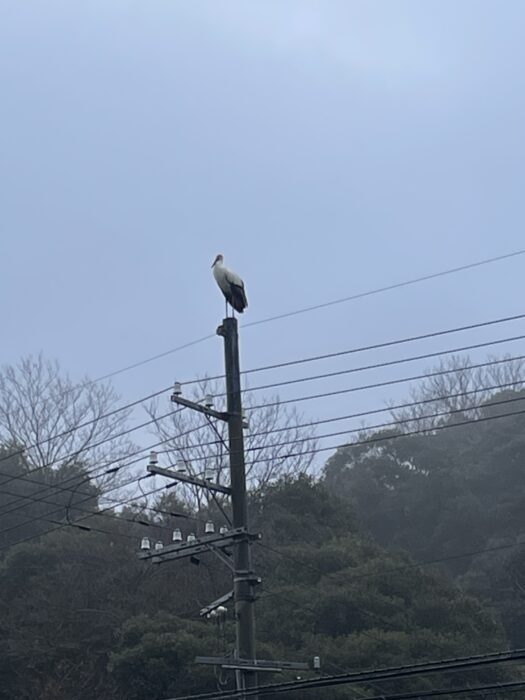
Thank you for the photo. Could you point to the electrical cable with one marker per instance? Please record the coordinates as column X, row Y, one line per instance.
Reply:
column 375, row 440
column 387, row 288
column 386, row 673
column 95, row 469
column 362, row 414
column 380, row 365
column 389, row 382
column 85, row 424
column 480, row 690
column 352, row 370
column 111, row 470
column 390, row 424
column 349, row 578
column 366, row 348
column 361, row 295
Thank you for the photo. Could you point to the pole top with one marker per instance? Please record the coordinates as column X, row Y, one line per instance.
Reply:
column 228, row 325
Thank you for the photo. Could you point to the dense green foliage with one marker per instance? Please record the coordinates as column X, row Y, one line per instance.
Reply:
column 446, row 493
column 83, row 617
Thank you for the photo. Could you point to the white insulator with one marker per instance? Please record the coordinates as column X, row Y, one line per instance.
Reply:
column 145, row 543
column 190, row 539
column 177, row 389
column 208, row 400
column 153, row 458
column 181, row 466
column 209, row 528
column 221, row 610
column 177, row 535
column 223, row 530
column 209, row 474
column 159, row 546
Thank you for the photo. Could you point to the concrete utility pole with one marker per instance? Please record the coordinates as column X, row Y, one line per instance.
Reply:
column 238, row 537
column 244, row 579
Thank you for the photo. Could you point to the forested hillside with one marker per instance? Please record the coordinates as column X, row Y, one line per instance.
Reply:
column 445, row 492
column 81, row 611
column 407, row 547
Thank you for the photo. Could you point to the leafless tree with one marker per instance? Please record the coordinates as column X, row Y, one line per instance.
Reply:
column 459, row 388
column 57, row 421
column 275, row 446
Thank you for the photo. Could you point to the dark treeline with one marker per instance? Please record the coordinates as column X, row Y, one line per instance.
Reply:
column 344, row 562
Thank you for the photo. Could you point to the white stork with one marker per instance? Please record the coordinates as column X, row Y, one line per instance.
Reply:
column 231, row 285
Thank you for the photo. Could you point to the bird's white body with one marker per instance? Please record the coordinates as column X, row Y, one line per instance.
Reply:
column 230, row 284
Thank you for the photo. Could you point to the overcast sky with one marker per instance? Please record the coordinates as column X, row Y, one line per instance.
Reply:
column 325, row 148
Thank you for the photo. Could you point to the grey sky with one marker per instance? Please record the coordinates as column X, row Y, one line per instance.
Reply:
column 325, row 148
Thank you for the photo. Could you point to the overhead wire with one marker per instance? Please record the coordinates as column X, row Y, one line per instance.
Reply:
column 393, row 424
column 386, row 288
column 108, row 470
column 350, row 577
column 382, row 365
column 479, row 690
column 84, row 424
column 353, row 297
column 374, row 440
column 362, row 429
column 76, row 453
column 365, row 348
column 395, row 436
column 374, row 411
column 96, row 470
column 386, row 673
column 389, row 382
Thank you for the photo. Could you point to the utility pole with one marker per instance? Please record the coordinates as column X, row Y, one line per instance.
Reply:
column 243, row 580
column 238, row 537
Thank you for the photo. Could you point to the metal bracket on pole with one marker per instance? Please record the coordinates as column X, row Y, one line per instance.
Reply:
column 252, row 665
column 211, row 412
column 223, row 556
column 216, row 603
column 189, row 549
column 188, row 479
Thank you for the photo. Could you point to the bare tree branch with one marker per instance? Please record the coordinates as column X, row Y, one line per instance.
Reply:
column 192, row 439
column 43, row 411
column 447, row 392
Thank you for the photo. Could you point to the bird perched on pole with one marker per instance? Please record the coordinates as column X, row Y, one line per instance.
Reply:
column 231, row 285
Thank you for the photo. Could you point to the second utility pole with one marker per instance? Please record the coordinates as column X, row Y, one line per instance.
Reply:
column 244, row 580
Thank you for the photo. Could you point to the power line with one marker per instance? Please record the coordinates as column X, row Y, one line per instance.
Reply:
column 405, row 567
column 387, row 673
column 366, row 348
column 344, row 352
column 479, row 690
column 361, row 295
column 362, row 414
column 370, row 441
column 382, row 345
column 389, row 424
column 389, row 382
column 54, row 488
column 85, row 424
column 387, row 288
column 108, row 470
column 362, row 442
column 388, row 363
column 76, row 453
column 90, row 515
